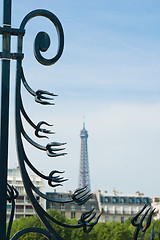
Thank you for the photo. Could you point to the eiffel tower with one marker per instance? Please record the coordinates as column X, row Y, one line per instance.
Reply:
column 84, row 177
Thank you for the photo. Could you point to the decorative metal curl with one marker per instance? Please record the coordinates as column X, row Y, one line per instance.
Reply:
column 40, row 97
column 86, row 219
column 56, row 179
column 43, row 130
column 42, row 41
column 81, row 195
column 51, row 151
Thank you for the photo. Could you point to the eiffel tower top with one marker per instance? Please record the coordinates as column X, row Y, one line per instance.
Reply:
column 84, row 132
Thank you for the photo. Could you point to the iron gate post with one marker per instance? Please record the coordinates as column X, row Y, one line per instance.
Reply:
column 4, row 118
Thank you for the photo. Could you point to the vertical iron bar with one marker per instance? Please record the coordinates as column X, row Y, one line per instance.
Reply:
column 4, row 118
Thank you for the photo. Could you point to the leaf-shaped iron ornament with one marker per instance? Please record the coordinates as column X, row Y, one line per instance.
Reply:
column 81, row 195
column 53, row 148
column 43, row 130
column 42, row 99
column 86, row 220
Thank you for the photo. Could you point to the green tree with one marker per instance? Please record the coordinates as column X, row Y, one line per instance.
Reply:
column 101, row 231
column 122, row 233
column 78, row 233
column 34, row 221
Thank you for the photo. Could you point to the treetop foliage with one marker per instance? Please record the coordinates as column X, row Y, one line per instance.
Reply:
column 101, row 231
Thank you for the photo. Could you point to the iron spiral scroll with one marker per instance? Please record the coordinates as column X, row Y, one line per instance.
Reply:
column 52, row 149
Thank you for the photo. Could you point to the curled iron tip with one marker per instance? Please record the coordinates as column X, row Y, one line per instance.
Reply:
column 86, row 219
column 12, row 193
column 55, row 179
column 52, row 151
column 43, row 130
column 81, row 195
column 42, row 99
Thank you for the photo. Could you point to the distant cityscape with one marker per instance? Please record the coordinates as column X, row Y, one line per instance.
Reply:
column 113, row 206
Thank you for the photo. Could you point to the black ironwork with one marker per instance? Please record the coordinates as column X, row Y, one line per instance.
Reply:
column 52, row 149
column 137, row 221
column 152, row 233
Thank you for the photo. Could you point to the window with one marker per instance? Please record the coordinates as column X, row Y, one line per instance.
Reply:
column 114, row 200
column 131, row 200
column 138, row 200
column 106, row 218
column 52, row 205
column 145, row 200
column 18, row 182
column 8, row 207
column 62, row 207
column 122, row 210
column 114, row 210
column 130, row 210
column 122, row 200
column 114, row 219
column 106, row 199
column 19, row 208
column 20, row 199
column 20, row 189
column 29, row 209
column 73, row 215
column 83, row 208
column 73, row 207
column 122, row 219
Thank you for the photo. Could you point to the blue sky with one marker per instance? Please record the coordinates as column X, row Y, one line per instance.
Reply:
column 109, row 72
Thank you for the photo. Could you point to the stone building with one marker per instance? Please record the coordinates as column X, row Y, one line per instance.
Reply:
column 23, row 206
column 118, row 206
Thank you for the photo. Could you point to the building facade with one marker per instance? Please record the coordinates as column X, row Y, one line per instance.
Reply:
column 114, row 206
column 23, row 207
column 118, row 206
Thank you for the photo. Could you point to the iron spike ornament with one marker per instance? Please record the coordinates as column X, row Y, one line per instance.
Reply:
column 53, row 149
